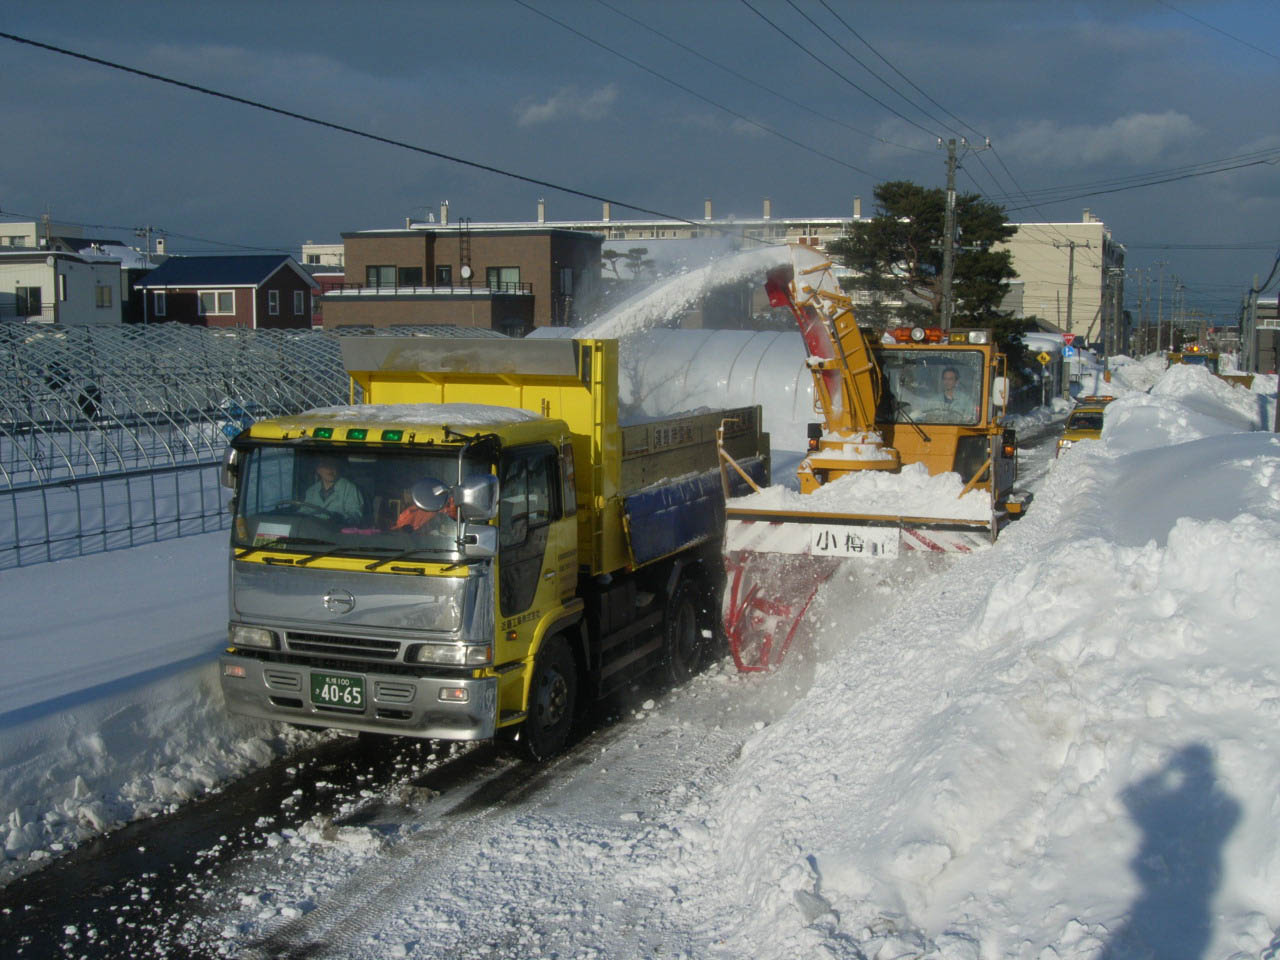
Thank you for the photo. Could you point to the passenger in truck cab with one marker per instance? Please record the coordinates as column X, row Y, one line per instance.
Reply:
column 333, row 493
column 414, row 518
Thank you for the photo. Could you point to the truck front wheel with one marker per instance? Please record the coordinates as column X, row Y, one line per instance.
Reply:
column 553, row 699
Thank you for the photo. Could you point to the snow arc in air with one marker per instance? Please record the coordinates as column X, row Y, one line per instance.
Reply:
column 654, row 305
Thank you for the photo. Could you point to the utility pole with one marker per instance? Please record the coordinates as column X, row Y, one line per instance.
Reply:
column 1160, row 307
column 1071, row 274
column 1176, row 320
column 949, row 226
column 949, row 235
column 1115, row 331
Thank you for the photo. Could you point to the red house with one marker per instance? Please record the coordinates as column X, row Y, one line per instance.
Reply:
column 256, row 292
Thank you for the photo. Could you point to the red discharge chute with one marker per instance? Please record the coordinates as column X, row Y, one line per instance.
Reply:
column 765, row 600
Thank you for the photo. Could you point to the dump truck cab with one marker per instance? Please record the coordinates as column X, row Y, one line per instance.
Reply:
column 424, row 566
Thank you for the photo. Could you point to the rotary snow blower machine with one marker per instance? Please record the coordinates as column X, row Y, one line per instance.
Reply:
column 899, row 410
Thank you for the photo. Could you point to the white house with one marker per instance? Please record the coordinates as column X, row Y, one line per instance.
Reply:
column 57, row 287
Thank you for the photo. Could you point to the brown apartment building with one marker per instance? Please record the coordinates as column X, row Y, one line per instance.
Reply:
column 505, row 278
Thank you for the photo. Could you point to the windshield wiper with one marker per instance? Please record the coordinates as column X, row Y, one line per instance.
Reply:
column 901, row 410
column 401, row 555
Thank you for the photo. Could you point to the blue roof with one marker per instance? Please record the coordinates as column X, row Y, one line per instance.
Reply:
column 214, row 271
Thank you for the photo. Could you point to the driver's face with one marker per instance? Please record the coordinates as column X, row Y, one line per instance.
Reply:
column 327, row 473
column 949, row 379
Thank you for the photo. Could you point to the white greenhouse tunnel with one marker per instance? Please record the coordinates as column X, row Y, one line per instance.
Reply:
column 662, row 372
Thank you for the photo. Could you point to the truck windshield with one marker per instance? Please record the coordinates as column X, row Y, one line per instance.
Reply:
column 931, row 385
column 353, row 503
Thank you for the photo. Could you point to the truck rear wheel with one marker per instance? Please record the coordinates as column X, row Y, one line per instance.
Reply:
column 553, row 700
column 685, row 649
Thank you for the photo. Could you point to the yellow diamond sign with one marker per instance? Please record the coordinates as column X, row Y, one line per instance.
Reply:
column 1044, row 358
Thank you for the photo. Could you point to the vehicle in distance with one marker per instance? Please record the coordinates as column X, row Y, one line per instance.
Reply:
column 1085, row 422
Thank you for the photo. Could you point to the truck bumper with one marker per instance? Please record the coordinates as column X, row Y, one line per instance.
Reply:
column 405, row 705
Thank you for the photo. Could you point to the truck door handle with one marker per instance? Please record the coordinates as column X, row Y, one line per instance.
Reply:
column 548, row 575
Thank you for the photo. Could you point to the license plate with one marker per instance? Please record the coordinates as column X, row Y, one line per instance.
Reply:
column 337, row 690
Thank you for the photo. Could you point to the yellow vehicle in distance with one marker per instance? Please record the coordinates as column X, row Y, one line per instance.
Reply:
column 1085, row 421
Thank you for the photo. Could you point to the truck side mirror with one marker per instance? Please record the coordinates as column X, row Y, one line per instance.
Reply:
column 477, row 497
column 999, row 391
column 479, row 540
column 230, row 467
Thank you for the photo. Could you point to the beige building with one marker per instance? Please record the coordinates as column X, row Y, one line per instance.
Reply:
column 34, row 234
column 322, row 255
column 1070, row 275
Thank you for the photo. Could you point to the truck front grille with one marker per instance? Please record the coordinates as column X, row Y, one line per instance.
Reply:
column 334, row 646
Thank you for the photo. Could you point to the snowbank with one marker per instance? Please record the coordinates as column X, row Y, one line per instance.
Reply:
column 113, row 709
column 1063, row 747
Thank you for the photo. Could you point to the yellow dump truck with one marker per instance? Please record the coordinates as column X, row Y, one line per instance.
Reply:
column 479, row 548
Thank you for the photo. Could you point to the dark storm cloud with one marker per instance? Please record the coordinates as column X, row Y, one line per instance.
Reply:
column 1068, row 93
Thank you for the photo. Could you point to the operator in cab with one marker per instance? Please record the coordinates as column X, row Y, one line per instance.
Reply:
column 334, row 493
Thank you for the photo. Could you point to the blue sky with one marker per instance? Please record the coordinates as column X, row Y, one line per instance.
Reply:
column 1069, row 93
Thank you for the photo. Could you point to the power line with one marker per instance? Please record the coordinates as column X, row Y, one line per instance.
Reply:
column 160, row 230
column 1152, row 182
column 755, row 83
column 849, row 53
column 1050, row 194
column 1229, row 36
column 826, row 66
column 244, row 101
column 693, row 93
column 922, row 93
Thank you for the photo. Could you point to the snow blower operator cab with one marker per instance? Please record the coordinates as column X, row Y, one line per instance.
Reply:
column 912, row 396
column 479, row 549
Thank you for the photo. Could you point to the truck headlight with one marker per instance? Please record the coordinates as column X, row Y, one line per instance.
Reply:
column 239, row 635
column 454, row 654
column 1063, row 444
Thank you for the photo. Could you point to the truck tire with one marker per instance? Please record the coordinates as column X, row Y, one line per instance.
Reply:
column 684, row 646
column 553, row 700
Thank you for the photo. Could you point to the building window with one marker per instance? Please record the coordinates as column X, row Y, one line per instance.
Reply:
column 101, row 296
column 217, row 302
column 566, row 281
column 162, row 303
column 28, row 301
column 409, row 277
column 62, row 287
column 444, row 275
column 380, row 276
column 273, row 303
column 313, row 258
column 504, row 279
column 299, row 303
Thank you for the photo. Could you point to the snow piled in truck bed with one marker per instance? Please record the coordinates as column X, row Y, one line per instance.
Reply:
column 908, row 493
column 428, row 414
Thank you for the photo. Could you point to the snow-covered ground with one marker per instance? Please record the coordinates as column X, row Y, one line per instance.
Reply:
column 1064, row 746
